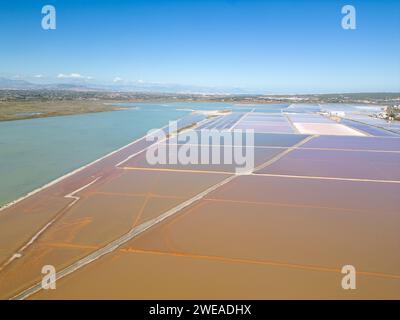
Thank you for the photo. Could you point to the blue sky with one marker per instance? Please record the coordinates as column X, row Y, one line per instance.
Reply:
column 270, row 46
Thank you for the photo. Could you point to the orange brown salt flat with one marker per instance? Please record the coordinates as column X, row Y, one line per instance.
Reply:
column 376, row 198
column 160, row 275
column 281, row 234
column 227, row 246
column 101, row 216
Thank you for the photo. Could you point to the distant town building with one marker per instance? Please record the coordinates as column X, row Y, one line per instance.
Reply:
column 337, row 113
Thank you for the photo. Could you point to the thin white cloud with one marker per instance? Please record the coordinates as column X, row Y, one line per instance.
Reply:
column 69, row 76
column 117, row 79
column 38, row 76
column 73, row 76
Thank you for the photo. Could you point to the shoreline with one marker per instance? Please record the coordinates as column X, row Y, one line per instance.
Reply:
column 61, row 178
column 25, row 110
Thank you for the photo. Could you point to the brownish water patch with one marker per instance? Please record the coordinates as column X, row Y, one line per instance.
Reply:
column 282, row 234
column 98, row 218
column 26, row 272
column 154, row 275
column 19, row 223
column 378, row 198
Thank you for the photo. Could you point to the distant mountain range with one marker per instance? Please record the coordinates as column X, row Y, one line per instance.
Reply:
column 79, row 85
column 13, row 84
column 16, row 84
